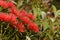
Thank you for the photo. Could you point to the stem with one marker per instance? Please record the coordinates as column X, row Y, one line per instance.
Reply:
column 12, row 34
column 1, row 32
column 6, row 29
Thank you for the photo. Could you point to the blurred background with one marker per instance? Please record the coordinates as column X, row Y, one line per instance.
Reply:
column 57, row 3
column 46, row 16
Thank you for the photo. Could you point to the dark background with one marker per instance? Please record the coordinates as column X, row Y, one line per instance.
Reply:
column 57, row 3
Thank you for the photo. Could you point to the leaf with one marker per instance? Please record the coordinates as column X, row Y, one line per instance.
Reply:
column 13, row 2
column 13, row 38
column 17, row 38
column 20, row 3
column 28, row 38
column 36, row 11
column 45, row 26
column 43, row 14
column 54, row 9
column 57, row 13
column 5, row 38
column 1, row 8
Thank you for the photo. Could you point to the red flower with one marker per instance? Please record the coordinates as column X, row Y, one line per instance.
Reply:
column 33, row 27
column 24, row 13
column 3, row 17
column 12, row 19
column 25, row 20
column 14, row 13
column 13, row 10
column 31, row 16
column 8, row 18
column 3, row 4
column 10, row 4
column 20, row 27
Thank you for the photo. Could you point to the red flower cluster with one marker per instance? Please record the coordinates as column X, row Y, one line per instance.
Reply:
column 20, row 27
column 5, row 4
column 26, row 19
column 14, row 14
column 14, row 11
column 10, row 4
column 32, row 26
column 24, row 13
column 8, row 18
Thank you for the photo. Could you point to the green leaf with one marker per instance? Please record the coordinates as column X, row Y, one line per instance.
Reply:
column 1, row 8
column 13, row 38
column 20, row 3
column 5, row 38
column 17, row 38
column 36, row 11
column 54, row 9
column 57, row 13
column 45, row 26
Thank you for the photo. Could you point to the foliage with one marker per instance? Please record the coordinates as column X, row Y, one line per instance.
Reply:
column 46, row 16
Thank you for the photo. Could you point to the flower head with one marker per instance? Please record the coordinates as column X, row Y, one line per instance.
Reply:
column 33, row 27
column 3, row 4
column 20, row 27
column 10, row 4
column 26, row 20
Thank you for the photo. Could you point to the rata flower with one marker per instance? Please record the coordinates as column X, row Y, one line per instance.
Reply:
column 24, row 13
column 26, row 20
column 10, row 4
column 12, row 19
column 14, row 14
column 21, row 13
column 20, row 27
column 13, row 10
column 33, row 27
column 3, row 4
column 8, row 18
column 31, row 16
column 3, row 17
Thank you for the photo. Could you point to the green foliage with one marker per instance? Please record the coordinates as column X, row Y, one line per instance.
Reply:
column 48, row 30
